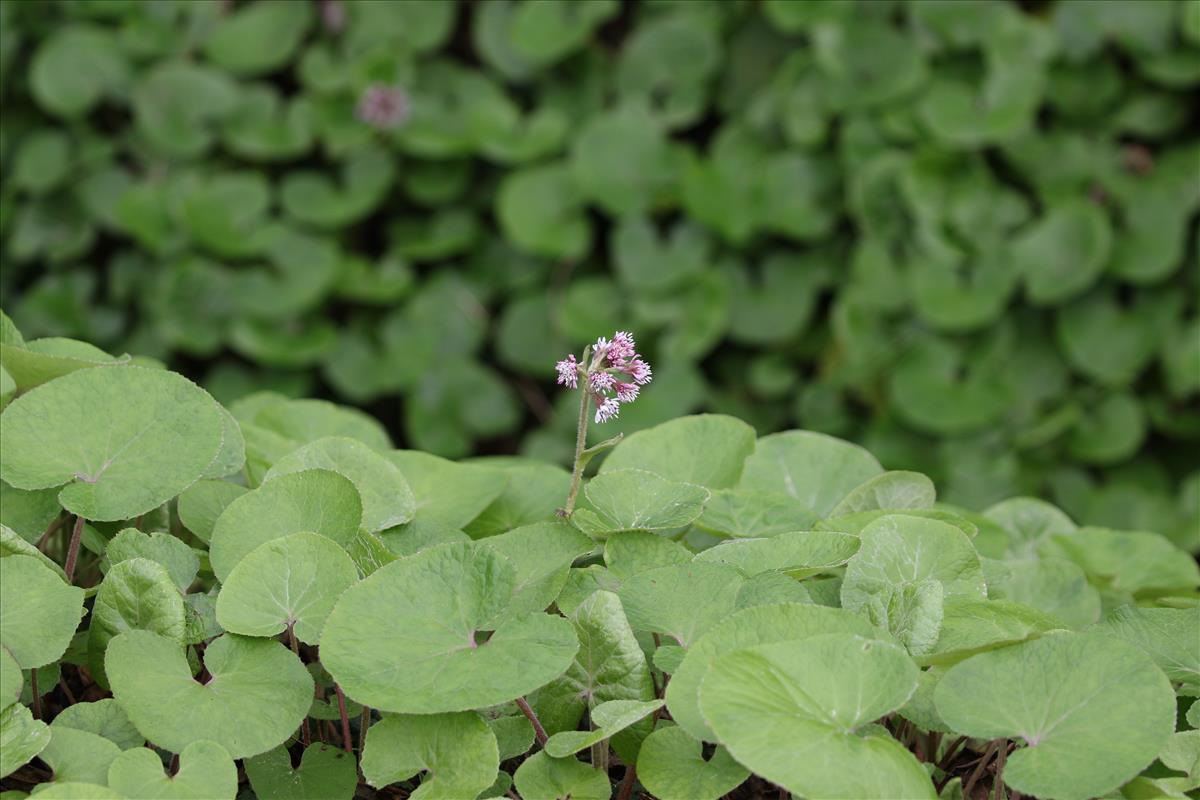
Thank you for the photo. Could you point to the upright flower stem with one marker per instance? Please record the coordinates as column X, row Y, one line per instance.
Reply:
column 580, row 442
column 73, row 549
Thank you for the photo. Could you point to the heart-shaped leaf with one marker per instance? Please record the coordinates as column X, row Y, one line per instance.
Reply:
column 744, row 513
column 325, row 773
column 405, row 639
column 104, row 718
column 752, row 626
column 12, row 680
column 447, row 492
column 457, row 750
column 160, row 434
column 287, row 583
column 136, row 594
column 317, row 501
column 815, row 469
column 799, row 553
column 639, row 551
column 1166, row 635
column 21, row 738
column 634, row 499
column 541, row 554
column 1063, row 695
column 203, row 502
column 541, row 777
column 705, row 449
column 682, row 600
column 76, row 755
column 799, row 714
column 257, row 696
column 38, row 611
column 206, row 772
column 387, row 499
column 889, row 491
column 170, row 551
column 671, row 765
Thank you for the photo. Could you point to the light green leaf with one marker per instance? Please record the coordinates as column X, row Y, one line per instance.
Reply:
column 533, row 492
column 682, row 600
column 1063, row 695
column 179, row 560
column 1053, row 585
column 672, row 766
column 889, row 491
column 1064, row 253
column 387, row 499
column 514, row 734
column 800, row 553
column 291, row 582
column 797, row 713
column 38, row 611
column 457, row 750
column 13, row 545
column 76, row 755
column 541, row 777
column 752, row 626
column 136, row 594
column 160, row 434
column 304, row 421
column 12, row 680
column 28, row 514
column 318, row 501
column 1138, row 562
column 704, row 449
column 905, row 569
column 638, row 551
column 816, row 469
column 405, row 638
column 970, row 626
column 541, row 554
column 206, row 772
column 204, row 501
column 41, row 360
column 325, row 773
column 634, row 499
column 21, row 738
column 75, row 790
column 104, row 718
column 1029, row 522
column 258, row 39
column 232, row 457
column 608, row 718
column 258, row 694
column 743, row 513
column 75, row 68
column 1168, row 635
column 447, row 492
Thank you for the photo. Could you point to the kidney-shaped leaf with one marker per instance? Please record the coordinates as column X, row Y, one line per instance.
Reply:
column 816, row 469
column 447, row 492
column 257, row 696
column 1066, row 696
column 889, row 491
column 325, row 773
column 541, row 554
column 21, row 738
column 706, row 449
column 681, row 600
column 542, row 777
column 136, row 594
column 672, row 766
column 104, row 718
column 753, row 626
column 206, row 772
column 459, row 752
column 406, row 638
column 634, row 499
column 316, row 501
column 799, row 553
column 124, row 440
column 170, row 551
column 38, row 611
column 796, row 713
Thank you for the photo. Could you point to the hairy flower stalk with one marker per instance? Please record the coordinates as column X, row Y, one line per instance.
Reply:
column 613, row 374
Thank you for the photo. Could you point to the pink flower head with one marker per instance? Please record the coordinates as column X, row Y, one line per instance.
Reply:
column 607, row 410
column 613, row 374
column 568, row 372
column 383, row 107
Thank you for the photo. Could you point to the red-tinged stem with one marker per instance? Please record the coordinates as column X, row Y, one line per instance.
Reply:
column 345, row 719
column 538, row 731
column 73, row 549
column 364, row 722
column 62, row 683
column 979, row 769
column 306, row 733
column 54, row 525
column 627, row 782
column 580, row 442
column 37, row 696
column 998, row 780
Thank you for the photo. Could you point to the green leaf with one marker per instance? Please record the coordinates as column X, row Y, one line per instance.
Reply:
column 753, row 626
column 259, row 38
column 704, row 449
column 305, row 421
column 159, row 434
column 137, row 594
column 204, row 501
column 317, row 501
column 1053, row 585
column 621, row 161
column 287, row 583
column 799, row 553
column 1063, row 254
column 314, row 199
column 639, row 551
column 79, row 756
column 39, row 612
column 325, row 773
column 179, row 560
column 681, row 600
column 1063, row 695
column 889, row 491
column 815, row 469
column 634, row 499
column 971, row 626
column 748, row 514
column 457, row 750
column 75, row 68
column 1139, row 562
column 256, row 698
column 608, row 718
column 447, row 492
column 206, row 772
column 27, row 514
column 232, row 457
column 672, row 766
column 532, row 494
column 541, row 554
column 387, row 499
column 1165, row 634
column 541, row 777
column 104, row 718
column 12, row 680
column 541, row 212
column 1029, row 522
column 610, row 665
column 405, row 638
column 21, row 738
column 75, row 790
column 177, row 103
column 13, row 545
column 905, row 569
column 799, row 713
column 543, row 32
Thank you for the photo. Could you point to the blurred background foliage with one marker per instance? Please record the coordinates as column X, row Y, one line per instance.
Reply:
column 961, row 233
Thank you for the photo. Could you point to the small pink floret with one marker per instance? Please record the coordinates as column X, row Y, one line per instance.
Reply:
column 607, row 410
column 568, row 372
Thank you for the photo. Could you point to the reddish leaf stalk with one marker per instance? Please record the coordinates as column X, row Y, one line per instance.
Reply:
column 73, row 549
column 341, row 698
column 538, row 731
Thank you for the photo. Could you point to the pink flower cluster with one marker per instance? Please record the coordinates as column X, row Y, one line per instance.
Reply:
column 612, row 375
column 382, row 106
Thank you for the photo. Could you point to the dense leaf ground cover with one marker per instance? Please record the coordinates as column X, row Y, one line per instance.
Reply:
column 268, row 600
column 958, row 233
